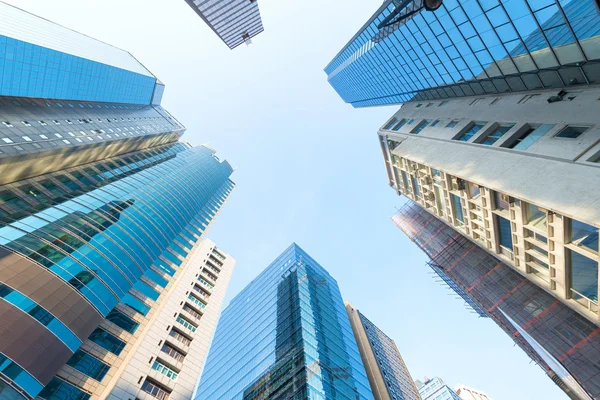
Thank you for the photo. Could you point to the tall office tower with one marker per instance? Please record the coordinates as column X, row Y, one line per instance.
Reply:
column 468, row 48
column 100, row 210
column 168, row 355
column 436, row 389
column 562, row 341
column 387, row 373
column 467, row 393
column 234, row 21
column 285, row 336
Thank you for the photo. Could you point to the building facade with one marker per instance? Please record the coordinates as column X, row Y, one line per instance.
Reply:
column 468, row 48
column 285, row 336
column 560, row 340
column 436, row 389
column 169, row 353
column 234, row 21
column 467, row 393
column 387, row 373
column 102, row 211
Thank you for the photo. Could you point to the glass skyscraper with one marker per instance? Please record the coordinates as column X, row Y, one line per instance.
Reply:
column 234, row 21
column 285, row 336
column 100, row 206
column 388, row 375
column 468, row 47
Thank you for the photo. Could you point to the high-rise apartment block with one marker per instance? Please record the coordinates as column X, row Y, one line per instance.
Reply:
column 436, row 389
column 102, row 215
column 467, row 393
column 234, row 21
column 387, row 372
column 468, row 48
column 285, row 336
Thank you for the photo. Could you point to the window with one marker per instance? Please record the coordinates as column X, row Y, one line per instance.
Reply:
column 7, row 124
column 88, row 365
column 419, row 105
column 435, row 123
column 476, row 101
column 171, row 351
column 504, row 232
column 163, row 369
column 501, row 201
column 390, row 123
column 405, row 180
column 584, row 235
column 26, row 138
column 58, row 389
column 572, row 132
column 410, row 121
column 7, row 140
column 443, row 103
column 428, row 105
column 399, row 125
column 42, row 123
column 122, row 321
column 155, row 390
column 531, row 135
column 58, row 135
column 536, row 236
column 470, row 132
column 420, row 126
column 457, row 208
column 180, row 337
column 135, row 304
column 25, row 123
column 452, row 123
column 416, row 189
column 536, row 217
column 43, row 136
column 107, row 341
column 474, row 190
column 186, row 323
column 496, row 134
column 584, row 276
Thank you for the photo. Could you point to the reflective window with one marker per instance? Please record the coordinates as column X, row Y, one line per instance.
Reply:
column 422, row 125
column 457, row 208
column 470, row 132
column 536, row 216
column 584, row 235
column 504, row 232
column 416, row 189
column 123, row 321
column 527, row 138
column 501, row 201
column 452, row 123
column 88, row 365
column 107, row 341
column 399, row 125
column 584, row 276
column 496, row 134
column 390, row 123
column 58, row 389
column 572, row 132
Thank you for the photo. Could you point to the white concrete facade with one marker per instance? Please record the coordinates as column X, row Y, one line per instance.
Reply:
column 516, row 161
column 207, row 271
column 467, row 393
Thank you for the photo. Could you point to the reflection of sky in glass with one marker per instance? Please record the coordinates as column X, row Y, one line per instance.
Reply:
column 584, row 275
column 463, row 40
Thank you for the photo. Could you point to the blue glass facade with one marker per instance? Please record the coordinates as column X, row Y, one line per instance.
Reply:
column 106, row 230
column 397, row 379
column 469, row 47
column 436, row 389
column 29, row 70
column 285, row 336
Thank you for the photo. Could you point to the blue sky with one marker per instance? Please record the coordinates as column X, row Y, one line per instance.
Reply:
column 308, row 170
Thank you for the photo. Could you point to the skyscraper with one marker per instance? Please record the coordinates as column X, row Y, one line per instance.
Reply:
column 285, row 336
column 467, row 48
column 102, row 210
column 436, row 389
column 560, row 340
column 387, row 373
column 234, row 21
column 467, row 393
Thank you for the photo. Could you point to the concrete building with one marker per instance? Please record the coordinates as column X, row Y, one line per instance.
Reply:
column 169, row 353
column 467, row 393
column 285, row 336
column 102, row 215
column 388, row 375
column 467, row 48
column 234, row 21
column 436, row 389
